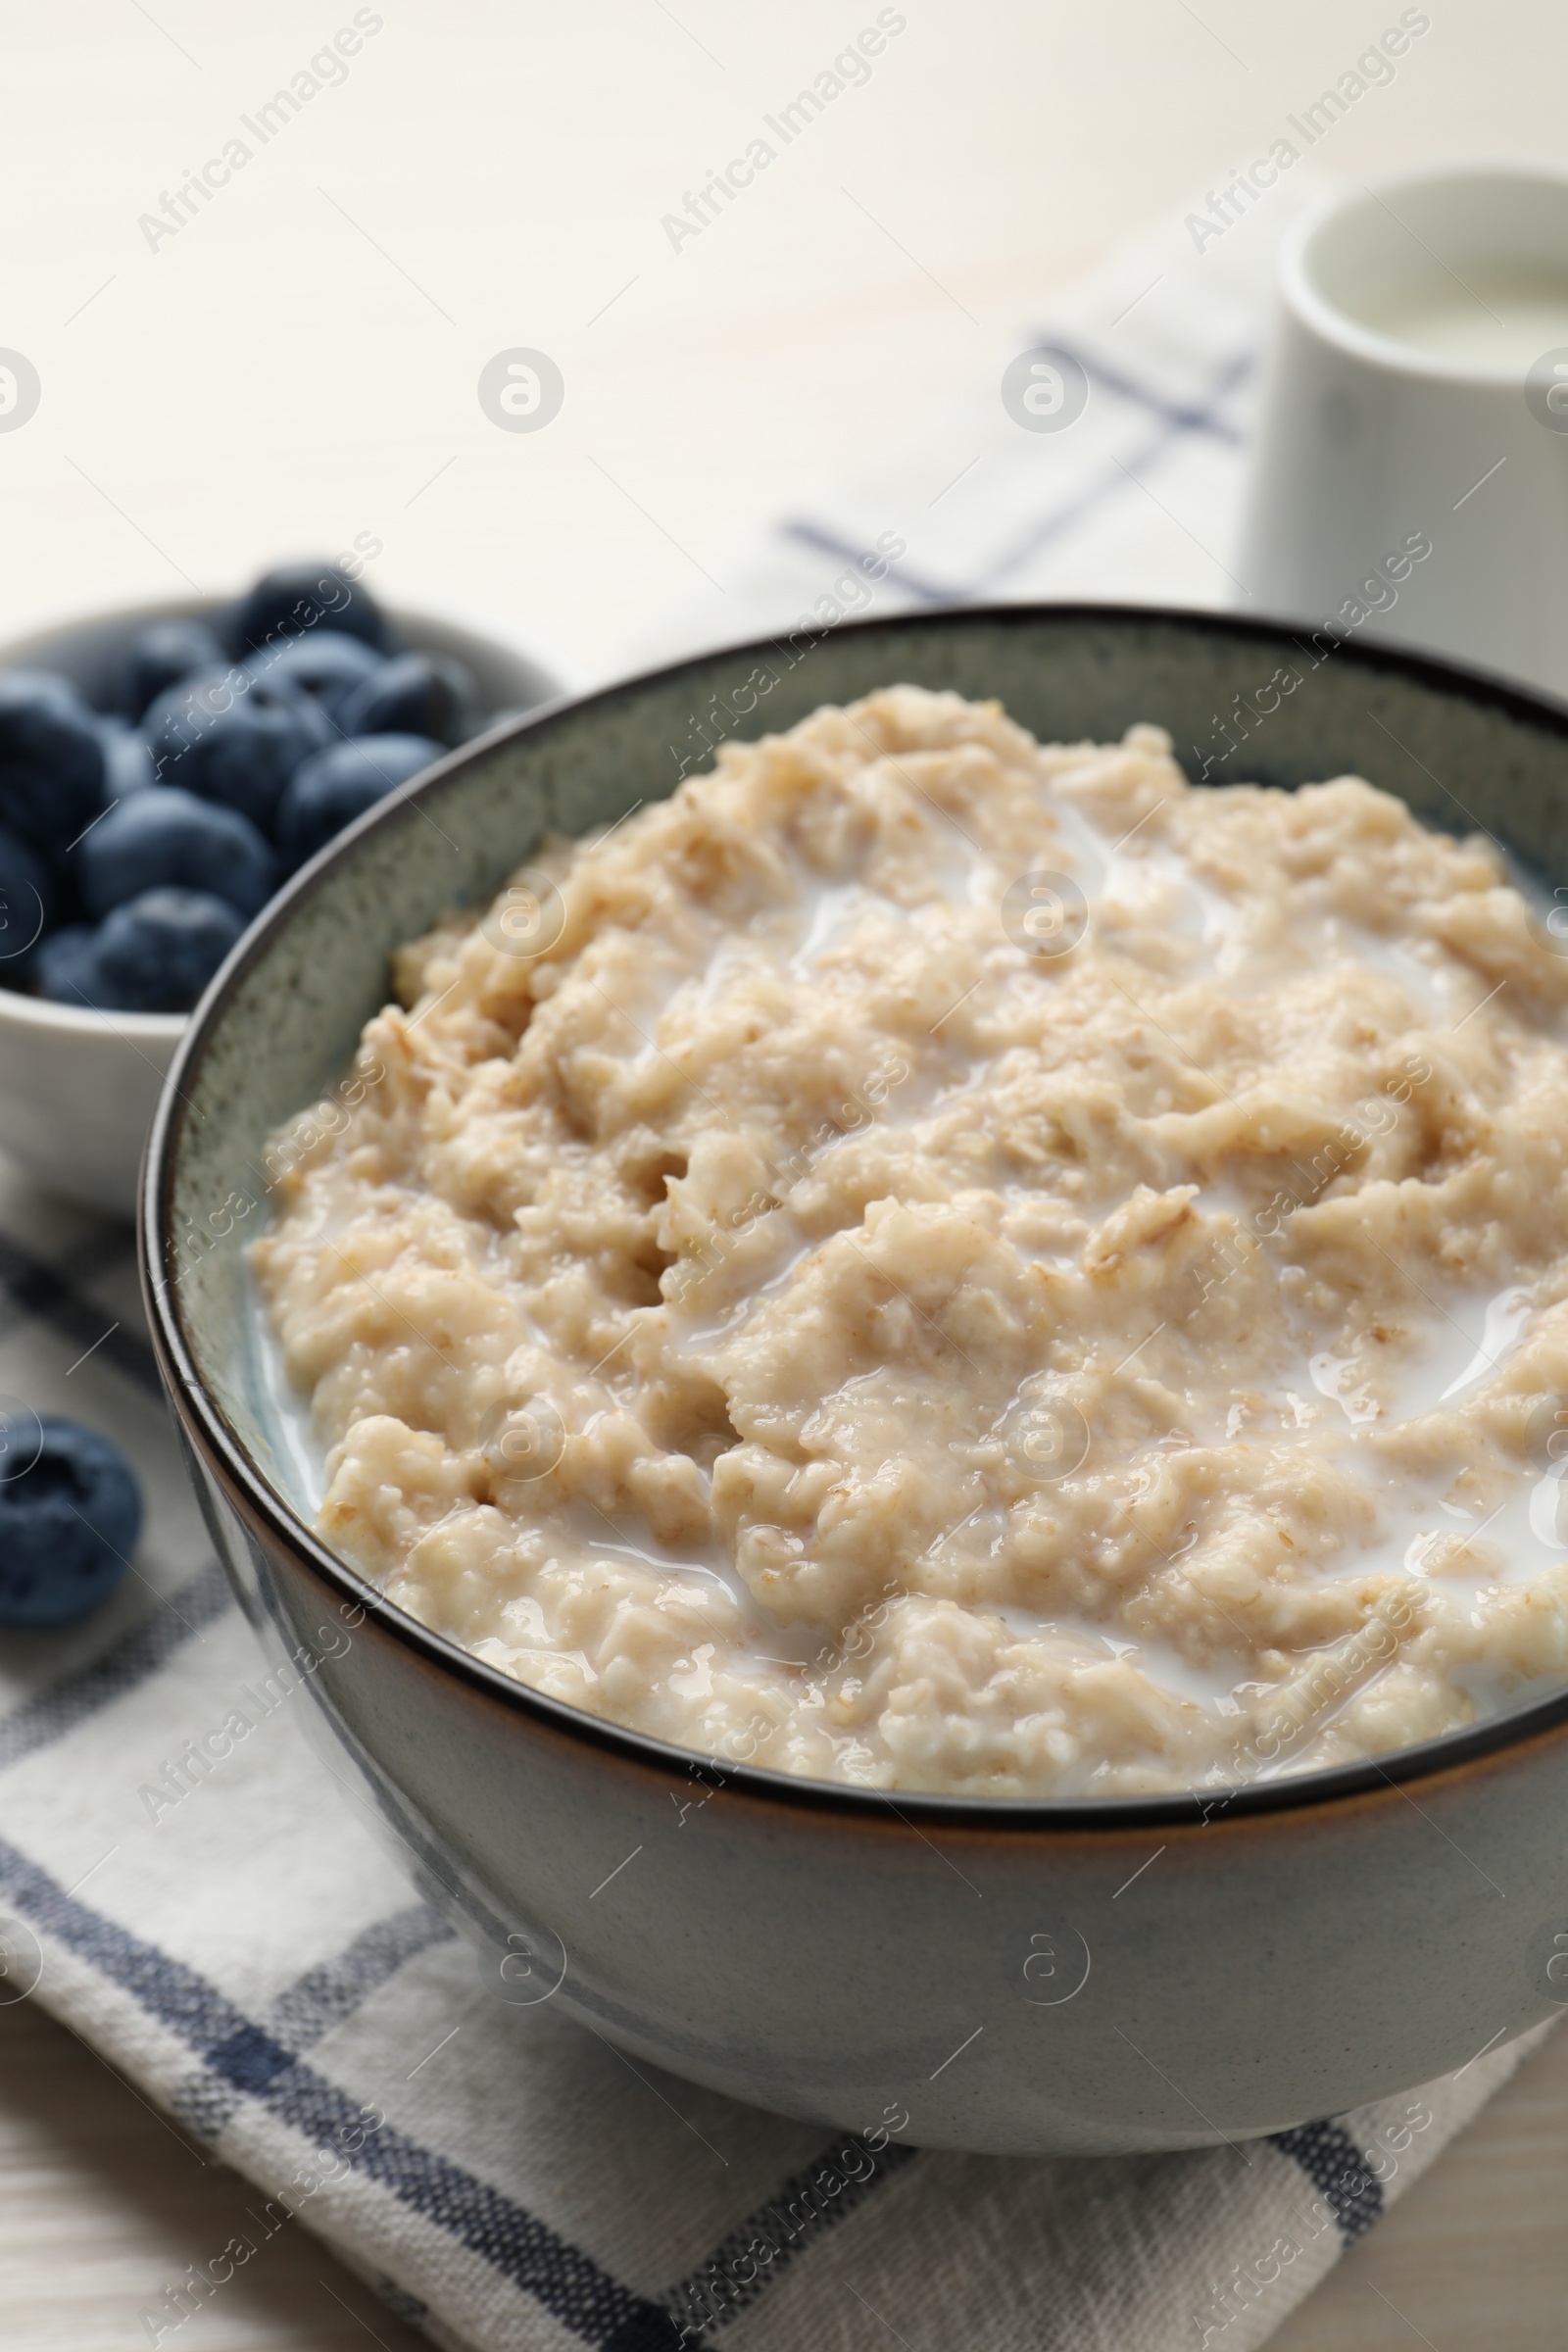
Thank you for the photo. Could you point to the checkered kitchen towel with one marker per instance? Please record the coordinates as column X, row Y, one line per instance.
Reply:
column 252, row 1961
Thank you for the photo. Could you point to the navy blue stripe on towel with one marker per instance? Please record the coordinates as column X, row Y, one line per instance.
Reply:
column 1183, row 416
column 601, row 2312
column 36, row 1289
column 1338, row 2171
column 568, row 2284
column 1173, row 423
column 170, row 1623
column 795, row 2217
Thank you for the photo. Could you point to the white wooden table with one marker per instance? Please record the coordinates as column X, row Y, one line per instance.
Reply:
column 296, row 366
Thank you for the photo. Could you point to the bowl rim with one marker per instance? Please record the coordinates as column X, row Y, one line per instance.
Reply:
column 915, row 1809
column 20, row 1010
column 1302, row 293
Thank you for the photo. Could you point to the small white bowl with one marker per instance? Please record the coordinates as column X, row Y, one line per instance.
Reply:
column 77, row 1088
column 1376, row 450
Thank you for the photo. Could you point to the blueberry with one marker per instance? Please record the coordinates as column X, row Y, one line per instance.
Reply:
column 156, row 952
column 162, row 653
column 188, row 711
column 247, row 758
column 164, row 835
column 70, row 1517
column 26, row 907
column 128, row 760
column 237, row 739
column 414, row 694
column 298, row 598
column 325, row 665
column 338, row 785
column 66, row 964
column 51, row 758
column 27, row 903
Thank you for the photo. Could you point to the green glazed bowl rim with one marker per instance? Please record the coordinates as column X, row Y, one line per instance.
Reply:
column 1172, row 1810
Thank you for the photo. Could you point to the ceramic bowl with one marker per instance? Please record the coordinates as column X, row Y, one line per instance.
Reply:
column 1034, row 1977
column 77, row 1088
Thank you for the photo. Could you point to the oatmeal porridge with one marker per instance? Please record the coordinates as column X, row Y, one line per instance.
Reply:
column 952, row 1263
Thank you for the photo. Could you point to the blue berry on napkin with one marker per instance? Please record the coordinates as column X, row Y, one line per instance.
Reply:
column 71, row 1512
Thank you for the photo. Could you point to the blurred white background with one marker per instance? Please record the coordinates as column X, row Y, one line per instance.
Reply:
column 299, row 362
